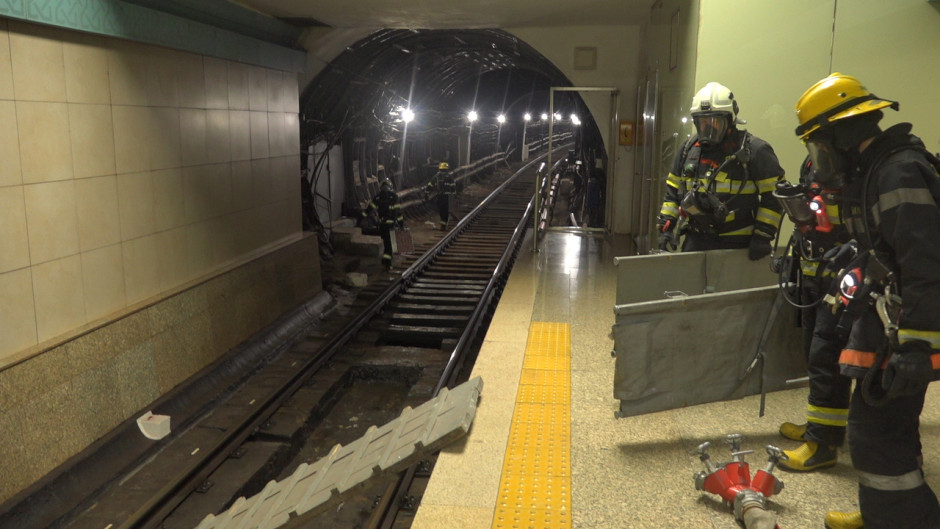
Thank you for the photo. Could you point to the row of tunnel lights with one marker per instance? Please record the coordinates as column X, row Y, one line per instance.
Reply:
column 408, row 115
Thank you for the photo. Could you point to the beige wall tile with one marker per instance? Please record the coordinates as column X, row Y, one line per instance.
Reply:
column 293, row 216
column 218, row 138
column 6, row 66
column 277, row 136
column 197, row 193
column 284, row 175
column 259, row 135
column 135, row 204
column 51, row 221
column 86, row 71
column 141, row 272
column 220, row 185
column 216, row 71
column 59, row 294
column 238, row 86
column 132, row 132
column 239, row 123
column 241, row 186
column 162, row 73
column 282, row 91
column 261, row 189
column 199, row 240
column 292, row 122
column 293, row 94
column 13, row 240
column 103, row 281
column 45, row 150
column 10, row 172
column 17, row 313
column 240, row 242
column 166, row 151
column 172, row 258
column 38, row 63
column 257, row 89
column 127, row 73
column 191, row 76
column 193, row 136
column 168, row 203
column 99, row 222
column 92, row 140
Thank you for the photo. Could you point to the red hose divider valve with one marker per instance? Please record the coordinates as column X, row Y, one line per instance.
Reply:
column 732, row 481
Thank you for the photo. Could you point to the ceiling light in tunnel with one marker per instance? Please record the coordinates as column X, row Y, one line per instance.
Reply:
column 544, row 116
column 472, row 116
column 526, row 117
column 407, row 115
column 557, row 116
column 501, row 118
column 575, row 120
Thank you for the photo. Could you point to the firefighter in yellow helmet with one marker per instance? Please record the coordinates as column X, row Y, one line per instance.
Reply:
column 891, row 293
column 443, row 185
column 722, row 180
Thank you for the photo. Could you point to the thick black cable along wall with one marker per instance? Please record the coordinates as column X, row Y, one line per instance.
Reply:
column 357, row 101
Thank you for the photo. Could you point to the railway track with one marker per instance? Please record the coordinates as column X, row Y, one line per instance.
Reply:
column 318, row 385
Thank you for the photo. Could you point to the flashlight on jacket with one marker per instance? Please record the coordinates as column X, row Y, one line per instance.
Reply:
column 818, row 207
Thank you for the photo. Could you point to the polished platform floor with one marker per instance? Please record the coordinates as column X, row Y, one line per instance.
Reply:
column 546, row 450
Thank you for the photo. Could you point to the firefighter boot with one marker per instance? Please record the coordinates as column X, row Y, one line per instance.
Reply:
column 809, row 456
column 796, row 432
column 844, row 520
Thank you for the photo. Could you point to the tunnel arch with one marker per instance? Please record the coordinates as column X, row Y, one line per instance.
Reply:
column 356, row 99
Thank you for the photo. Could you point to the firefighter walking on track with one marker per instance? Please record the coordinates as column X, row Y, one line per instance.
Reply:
column 443, row 185
column 386, row 205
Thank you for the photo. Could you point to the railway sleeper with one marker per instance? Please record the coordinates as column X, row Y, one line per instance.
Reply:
column 429, row 319
column 415, row 335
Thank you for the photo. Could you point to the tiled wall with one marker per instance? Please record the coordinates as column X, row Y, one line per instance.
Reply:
column 150, row 220
column 127, row 170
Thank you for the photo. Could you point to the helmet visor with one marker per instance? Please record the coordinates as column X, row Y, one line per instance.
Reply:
column 829, row 163
column 711, row 128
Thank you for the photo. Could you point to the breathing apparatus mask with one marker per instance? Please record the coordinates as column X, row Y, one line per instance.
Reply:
column 711, row 127
column 804, row 205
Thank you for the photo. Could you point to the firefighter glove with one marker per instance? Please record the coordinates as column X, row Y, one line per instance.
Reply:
column 667, row 241
column 760, row 248
column 840, row 256
column 909, row 369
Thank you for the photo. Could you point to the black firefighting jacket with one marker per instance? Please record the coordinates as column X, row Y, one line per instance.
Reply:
column 893, row 210
column 388, row 208
column 442, row 183
column 747, row 195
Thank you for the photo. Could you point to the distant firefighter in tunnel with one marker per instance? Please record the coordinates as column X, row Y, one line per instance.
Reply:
column 443, row 185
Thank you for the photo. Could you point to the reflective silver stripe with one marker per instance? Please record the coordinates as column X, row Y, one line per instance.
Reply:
column 908, row 195
column 911, row 480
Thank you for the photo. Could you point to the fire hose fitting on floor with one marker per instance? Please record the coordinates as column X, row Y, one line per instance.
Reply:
column 733, row 483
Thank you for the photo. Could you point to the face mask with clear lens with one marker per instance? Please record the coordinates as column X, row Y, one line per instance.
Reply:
column 711, row 128
column 829, row 163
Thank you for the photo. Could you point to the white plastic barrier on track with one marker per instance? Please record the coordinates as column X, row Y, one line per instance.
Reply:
column 692, row 328
column 382, row 451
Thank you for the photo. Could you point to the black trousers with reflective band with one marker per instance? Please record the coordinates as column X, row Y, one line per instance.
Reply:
column 385, row 231
column 828, row 388
column 885, row 442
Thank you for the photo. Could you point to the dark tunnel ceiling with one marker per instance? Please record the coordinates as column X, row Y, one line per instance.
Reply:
column 440, row 74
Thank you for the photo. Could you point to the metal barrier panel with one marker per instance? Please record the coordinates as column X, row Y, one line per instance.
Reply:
column 651, row 277
column 725, row 336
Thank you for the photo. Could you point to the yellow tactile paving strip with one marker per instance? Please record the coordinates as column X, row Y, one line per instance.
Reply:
column 535, row 487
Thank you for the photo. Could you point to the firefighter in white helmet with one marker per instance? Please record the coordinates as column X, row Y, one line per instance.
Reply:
column 722, row 181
